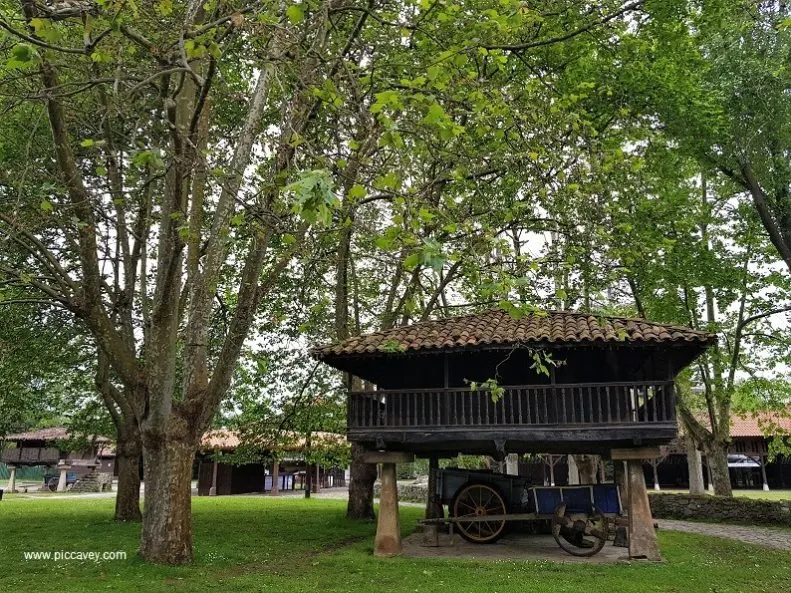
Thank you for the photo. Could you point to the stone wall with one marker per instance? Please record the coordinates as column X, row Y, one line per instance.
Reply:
column 720, row 509
column 408, row 492
column 94, row 482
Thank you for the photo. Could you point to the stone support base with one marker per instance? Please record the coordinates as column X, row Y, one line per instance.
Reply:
column 388, row 527
column 642, row 536
column 11, row 479
column 63, row 469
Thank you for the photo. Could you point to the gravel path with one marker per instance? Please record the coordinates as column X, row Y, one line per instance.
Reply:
column 759, row 536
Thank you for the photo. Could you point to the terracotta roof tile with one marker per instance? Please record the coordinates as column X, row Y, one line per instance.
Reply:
column 756, row 425
column 55, row 433
column 497, row 327
column 223, row 439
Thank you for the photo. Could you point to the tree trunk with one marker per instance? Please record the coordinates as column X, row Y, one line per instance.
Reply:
column 167, row 529
column 361, row 486
column 695, row 466
column 574, row 474
column 127, row 499
column 587, row 466
column 717, row 459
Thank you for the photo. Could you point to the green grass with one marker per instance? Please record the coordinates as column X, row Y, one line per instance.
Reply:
column 259, row 544
column 759, row 494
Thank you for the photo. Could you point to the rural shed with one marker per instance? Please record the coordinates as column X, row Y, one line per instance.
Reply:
column 608, row 388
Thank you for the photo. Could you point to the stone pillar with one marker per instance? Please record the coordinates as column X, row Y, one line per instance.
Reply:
column 388, row 526
column 275, row 478
column 642, row 537
column 63, row 467
column 512, row 464
column 213, row 488
column 12, row 479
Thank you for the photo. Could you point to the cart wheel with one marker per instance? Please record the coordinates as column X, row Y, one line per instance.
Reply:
column 479, row 500
column 579, row 534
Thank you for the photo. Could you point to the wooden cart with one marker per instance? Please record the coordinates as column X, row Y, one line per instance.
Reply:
column 482, row 503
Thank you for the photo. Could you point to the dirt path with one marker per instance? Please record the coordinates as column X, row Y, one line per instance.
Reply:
column 759, row 536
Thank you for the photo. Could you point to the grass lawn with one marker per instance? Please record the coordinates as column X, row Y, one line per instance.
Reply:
column 258, row 544
column 771, row 495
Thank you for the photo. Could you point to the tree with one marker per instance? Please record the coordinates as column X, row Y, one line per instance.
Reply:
column 40, row 359
column 715, row 76
column 148, row 224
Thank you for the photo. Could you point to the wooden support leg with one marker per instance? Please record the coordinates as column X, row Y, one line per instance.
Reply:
column 388, row 527
column 275, row 479
column 432, row 510
column 213, row 487
column 762, row 461
column 642, row 537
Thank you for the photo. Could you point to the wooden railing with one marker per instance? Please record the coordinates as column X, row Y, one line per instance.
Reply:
column 633, row 403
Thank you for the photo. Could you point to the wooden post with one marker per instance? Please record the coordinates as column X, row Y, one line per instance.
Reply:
column 316, row 485
column 431, row 499
column 574, row 474
column 388, row 527
column 654, row 466
column 512, row 464
column 213, row 488
column 619, row 476
column 275, row 478
column 552, row 462
column 642, row 537
column 762, row 461
column 11, row 479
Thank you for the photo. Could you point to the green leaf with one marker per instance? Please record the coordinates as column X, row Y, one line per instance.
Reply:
column 295, row 13
column 46, row 206
column 23, row 55
column 357, row 192
column 411, row 261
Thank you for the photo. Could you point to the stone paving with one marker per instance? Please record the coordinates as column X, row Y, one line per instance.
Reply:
column 777, row 539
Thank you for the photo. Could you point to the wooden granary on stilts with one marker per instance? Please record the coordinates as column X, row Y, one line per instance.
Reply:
column 608, row 390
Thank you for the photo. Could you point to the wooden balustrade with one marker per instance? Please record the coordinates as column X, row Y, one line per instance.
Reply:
column 578, row 404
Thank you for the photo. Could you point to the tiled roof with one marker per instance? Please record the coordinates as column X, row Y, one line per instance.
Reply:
column 55, row 433
column 223, row 439
column 760, row 425
column 497, row 327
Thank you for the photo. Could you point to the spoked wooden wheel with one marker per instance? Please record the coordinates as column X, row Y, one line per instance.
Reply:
column 579, row 534
column 477, row 501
